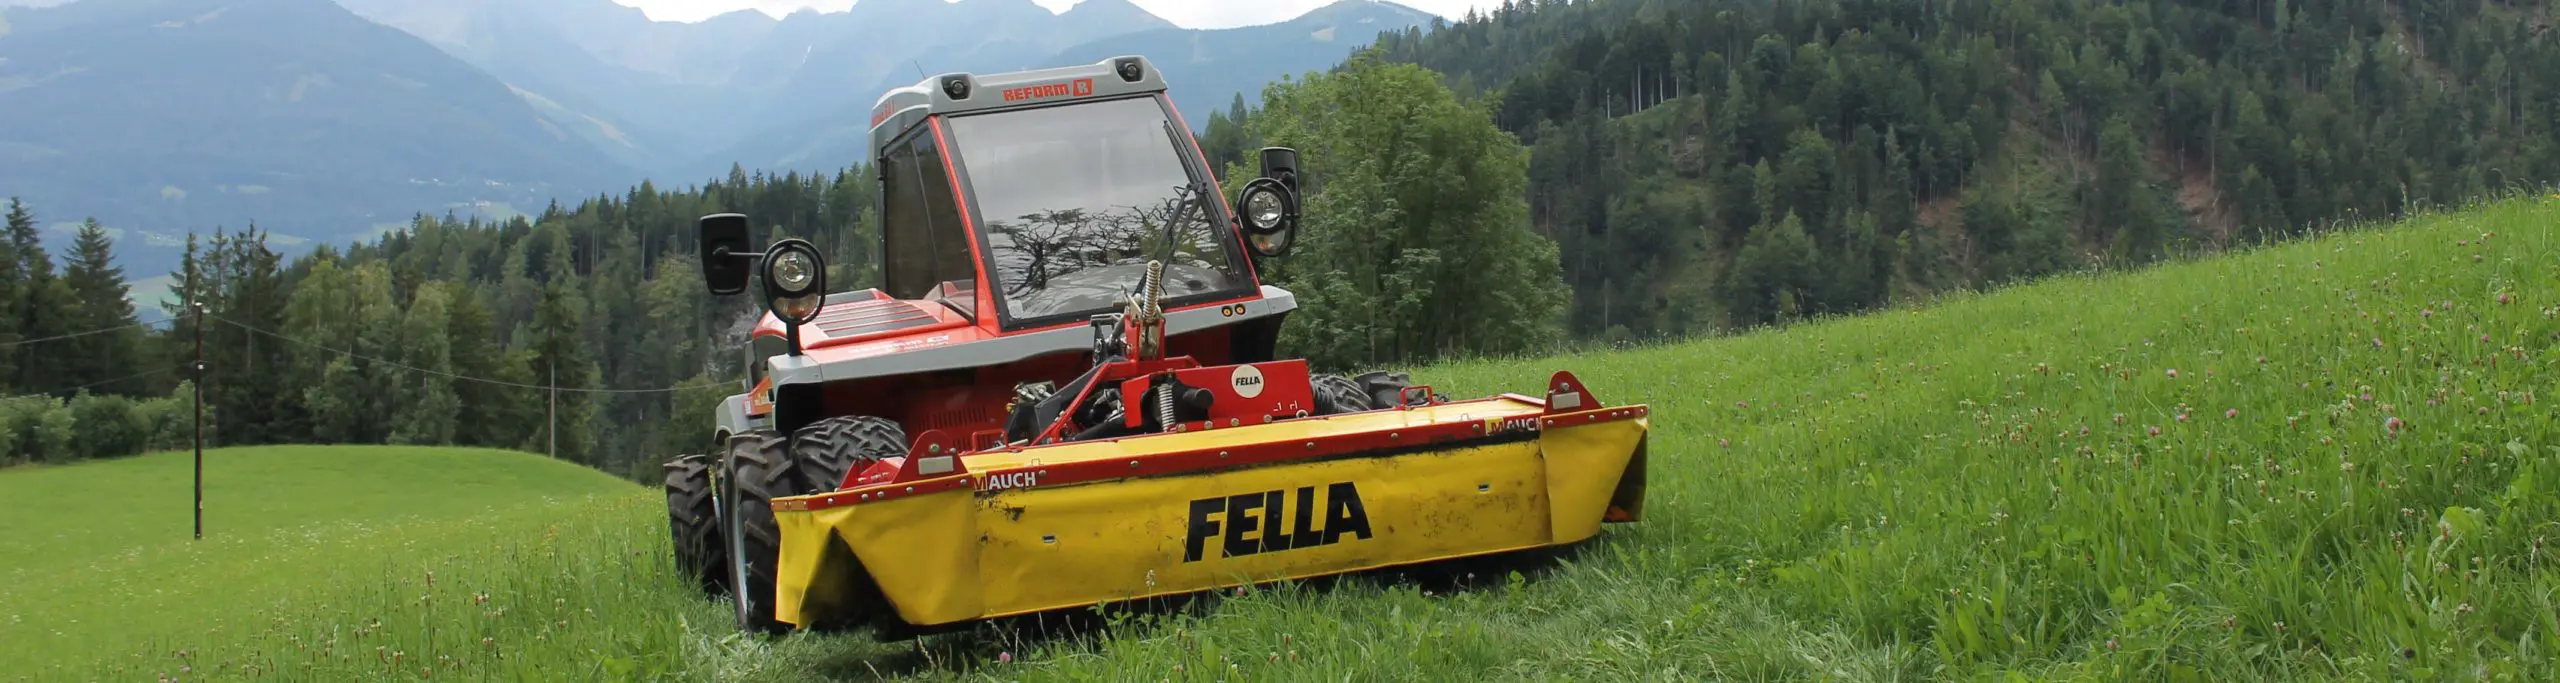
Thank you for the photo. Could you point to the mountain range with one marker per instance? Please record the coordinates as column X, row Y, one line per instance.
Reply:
column 332, row 120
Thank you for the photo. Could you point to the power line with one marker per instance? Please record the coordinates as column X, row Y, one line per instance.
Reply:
column 466, row 378
column 76, row 335
column 99, row 383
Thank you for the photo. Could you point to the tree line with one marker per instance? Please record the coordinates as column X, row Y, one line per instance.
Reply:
column 78, row 378
column 582, row 331
column 1709, row 165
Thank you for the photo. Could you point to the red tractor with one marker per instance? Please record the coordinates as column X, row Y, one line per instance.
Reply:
column 1060, row 271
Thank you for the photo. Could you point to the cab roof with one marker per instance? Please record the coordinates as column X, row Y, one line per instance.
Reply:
column 962, row 92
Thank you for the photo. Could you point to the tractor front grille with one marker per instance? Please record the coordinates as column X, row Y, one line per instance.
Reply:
column 871, row 317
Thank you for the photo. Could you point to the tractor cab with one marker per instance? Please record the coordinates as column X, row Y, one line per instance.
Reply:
column 1015, row 209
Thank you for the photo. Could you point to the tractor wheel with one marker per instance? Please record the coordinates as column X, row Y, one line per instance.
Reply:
column 1387, row 389
column 1336, row 394
column 827, row 450
column 700, row 555
column 759, row 470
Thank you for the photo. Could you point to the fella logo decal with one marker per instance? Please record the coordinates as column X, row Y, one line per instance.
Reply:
column 1247, row 381
column 1082, row 87
column 1270, row 521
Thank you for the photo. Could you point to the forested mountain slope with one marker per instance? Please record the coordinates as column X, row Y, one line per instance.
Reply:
column 1718, row 163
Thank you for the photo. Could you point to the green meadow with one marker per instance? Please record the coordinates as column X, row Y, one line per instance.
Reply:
column 2333, row 459
column 100, row 578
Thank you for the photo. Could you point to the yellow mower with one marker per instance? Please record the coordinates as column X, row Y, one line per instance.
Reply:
column 1071, row 327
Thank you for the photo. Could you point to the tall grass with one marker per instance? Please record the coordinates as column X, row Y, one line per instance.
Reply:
column 2333, row 459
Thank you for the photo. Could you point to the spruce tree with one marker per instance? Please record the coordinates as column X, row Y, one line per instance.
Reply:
column 42, row 308
column 560, row 356
column 248, row 367
column 98, row 293
column 11, row 288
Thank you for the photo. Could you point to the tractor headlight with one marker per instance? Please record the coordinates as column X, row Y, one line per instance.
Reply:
column 795, row 280
column 1262, row 210
column 792, row 271
column 1270, row 216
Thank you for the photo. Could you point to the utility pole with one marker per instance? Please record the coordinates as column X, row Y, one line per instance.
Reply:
column 554, row 414
column 199, row 392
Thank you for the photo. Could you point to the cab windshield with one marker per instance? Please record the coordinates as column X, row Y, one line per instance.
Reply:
column 1075, row 200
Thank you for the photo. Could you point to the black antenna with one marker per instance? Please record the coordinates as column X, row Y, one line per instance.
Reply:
column 919, row 69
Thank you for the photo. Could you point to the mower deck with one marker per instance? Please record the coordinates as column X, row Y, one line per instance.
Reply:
column 1022, row 530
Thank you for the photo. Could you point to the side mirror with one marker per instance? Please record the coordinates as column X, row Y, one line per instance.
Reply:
column 727, row 258
column 1281, row 164
column 1270, row 204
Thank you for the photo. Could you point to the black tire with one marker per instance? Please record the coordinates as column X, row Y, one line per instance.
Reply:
column 759, row 470
column 1387, row 389
column 826, row 450
column 763, row 466
column 1336, row 394
column 823, row 453
column 701, row 555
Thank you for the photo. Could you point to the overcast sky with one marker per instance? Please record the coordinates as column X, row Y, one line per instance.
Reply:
column 1185, row 13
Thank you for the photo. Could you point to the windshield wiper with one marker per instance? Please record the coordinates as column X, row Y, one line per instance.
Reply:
column 1191, row 192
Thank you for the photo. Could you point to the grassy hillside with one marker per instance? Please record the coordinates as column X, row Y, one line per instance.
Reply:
column 2326, row 460
column 2332, row 459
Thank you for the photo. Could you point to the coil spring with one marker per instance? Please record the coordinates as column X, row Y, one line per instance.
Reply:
column 1155, row 288
column 1164, row 407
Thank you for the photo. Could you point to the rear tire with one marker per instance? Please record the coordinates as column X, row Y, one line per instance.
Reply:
column 701, row 554
column 1387, row 389
column 826, row 450
column 1336, row 394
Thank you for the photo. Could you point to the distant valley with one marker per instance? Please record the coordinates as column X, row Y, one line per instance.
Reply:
column 332, row 121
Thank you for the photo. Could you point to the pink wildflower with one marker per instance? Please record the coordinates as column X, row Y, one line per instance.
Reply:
column 2235, row 412
column 2173, row 373
column 2394, row 426
column 1005, row 657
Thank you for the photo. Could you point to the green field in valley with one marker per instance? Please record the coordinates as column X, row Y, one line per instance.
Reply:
column 2332, row 459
